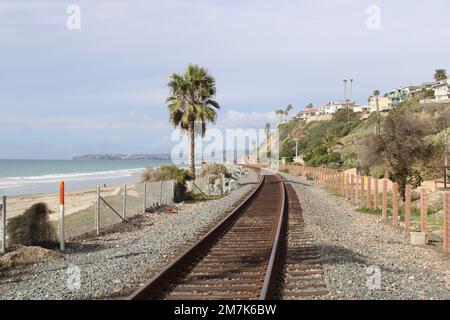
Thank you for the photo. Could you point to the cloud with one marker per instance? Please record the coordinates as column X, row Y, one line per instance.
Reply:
column 127, row 121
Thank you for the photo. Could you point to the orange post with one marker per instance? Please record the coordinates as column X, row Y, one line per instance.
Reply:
column 62, row 243
column 384, row 209
column 375, row 194
column 352, row 189
column 408, row 208
column 357, row 190
column 395, row 204
column 369, row 200
column 446, row 222
column 424, row 210
column 61, row 192
column 362, row 191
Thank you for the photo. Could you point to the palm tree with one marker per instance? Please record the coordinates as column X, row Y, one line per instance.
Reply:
column 191, row 104
column 440, row 74
column 288, row 109
column 329, row 141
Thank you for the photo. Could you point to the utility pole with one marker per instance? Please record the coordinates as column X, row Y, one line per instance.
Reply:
column 378, row 128
column 345, row 95
column 350, row 99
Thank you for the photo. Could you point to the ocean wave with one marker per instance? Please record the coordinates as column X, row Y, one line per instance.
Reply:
column 14, row 182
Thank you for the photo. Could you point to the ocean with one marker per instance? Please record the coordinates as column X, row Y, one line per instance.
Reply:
column 22, row 177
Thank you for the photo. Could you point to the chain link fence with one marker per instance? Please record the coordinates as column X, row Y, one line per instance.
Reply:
column 90, row 210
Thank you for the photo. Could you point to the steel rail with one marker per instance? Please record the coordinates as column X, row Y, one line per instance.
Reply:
column 276, row 254
column 161, row 280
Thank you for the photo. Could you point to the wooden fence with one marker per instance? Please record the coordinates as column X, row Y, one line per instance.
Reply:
column 364, row 192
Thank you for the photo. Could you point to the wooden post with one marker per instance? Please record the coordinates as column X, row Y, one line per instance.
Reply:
column 352, row 189
column 369, row 198
column 408, row 208
column 446, row 222
column 346, row 185
column 357, row 190
column 395, row 204
column 384, row 209
column 362, row 191
column 375, row 194
column 424, row 210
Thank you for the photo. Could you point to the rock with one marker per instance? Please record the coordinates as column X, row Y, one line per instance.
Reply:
column 415, row 195
column 24, row 255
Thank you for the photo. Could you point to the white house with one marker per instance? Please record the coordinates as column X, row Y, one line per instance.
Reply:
column 363, row 109
column 333, row 107
column 307, row 113
column 442, row 91
column 384, row 103
column 402, row 94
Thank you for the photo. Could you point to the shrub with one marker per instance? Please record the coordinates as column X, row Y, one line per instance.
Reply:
column 181, row 176
column 32, row 227
column 166, row 173
column 213, row 169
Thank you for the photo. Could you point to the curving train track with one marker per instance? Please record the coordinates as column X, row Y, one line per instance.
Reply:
column 242, row 258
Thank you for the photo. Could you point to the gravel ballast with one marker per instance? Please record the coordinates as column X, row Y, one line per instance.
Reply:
column 112, row 262
column 356, row 247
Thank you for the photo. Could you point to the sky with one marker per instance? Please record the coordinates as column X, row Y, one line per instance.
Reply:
column 102, row 88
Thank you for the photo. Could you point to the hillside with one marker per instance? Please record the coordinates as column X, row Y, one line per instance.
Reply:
column 335, row 143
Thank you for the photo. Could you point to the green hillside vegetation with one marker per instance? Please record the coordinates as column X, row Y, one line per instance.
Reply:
column 336, row 143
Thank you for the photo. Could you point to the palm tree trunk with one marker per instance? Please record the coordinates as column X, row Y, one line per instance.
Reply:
column 192, row 148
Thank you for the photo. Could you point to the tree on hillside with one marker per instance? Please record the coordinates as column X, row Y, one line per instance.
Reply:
column 330, row 141
column 402, row 145
column 376, row 93
column 440, row 74
column 288, row 109
column 191, row 103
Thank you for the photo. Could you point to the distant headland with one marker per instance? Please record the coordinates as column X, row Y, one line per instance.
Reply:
column 158, row 156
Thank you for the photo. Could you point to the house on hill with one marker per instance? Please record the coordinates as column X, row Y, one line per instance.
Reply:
column 442, row 91
column 307, row 113
column 334, row 107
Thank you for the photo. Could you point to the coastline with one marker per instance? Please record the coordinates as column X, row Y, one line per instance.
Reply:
column 32, row 177
column 76, row 200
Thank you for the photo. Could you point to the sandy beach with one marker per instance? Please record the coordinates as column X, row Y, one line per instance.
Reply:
column 75, row 201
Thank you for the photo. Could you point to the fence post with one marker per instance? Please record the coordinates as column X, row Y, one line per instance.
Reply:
column 356, row 190
column 362, row 191
column 124, row 202
column 97, row 212
column 369, row 198
column 144, row 200
column 160, row 192
column 424, row 210
column 3, row 226
column 408, row 208
column 375, row 193
column 352, row 193
column 446, row 221
column 62, row 244
column 346, row 186
column 173, row 190
column 384, row 209
column 395, row 204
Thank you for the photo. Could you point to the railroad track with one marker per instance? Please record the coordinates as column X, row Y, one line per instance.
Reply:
column 247, row 256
